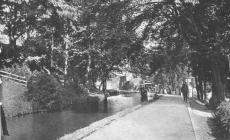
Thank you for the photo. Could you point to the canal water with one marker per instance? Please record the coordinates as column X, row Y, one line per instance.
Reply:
column 50, row 126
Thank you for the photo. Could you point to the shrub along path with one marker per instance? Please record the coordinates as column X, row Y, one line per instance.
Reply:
column 165, row 119
column 203, row 123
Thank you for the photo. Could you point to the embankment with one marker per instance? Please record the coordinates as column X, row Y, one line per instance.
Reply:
column 14, row 101
column 16, row 104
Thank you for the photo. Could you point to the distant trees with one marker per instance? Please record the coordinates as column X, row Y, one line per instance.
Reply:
column 166, row 54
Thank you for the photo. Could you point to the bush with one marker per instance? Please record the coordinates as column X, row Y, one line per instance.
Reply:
column 222, row 117
column 128, row 85
column 45, row 90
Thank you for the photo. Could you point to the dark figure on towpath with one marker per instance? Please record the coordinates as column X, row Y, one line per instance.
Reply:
column 143, row 93
column 184, row 90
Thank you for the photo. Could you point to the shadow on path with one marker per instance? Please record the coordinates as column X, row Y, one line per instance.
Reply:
column 199, row 106
column 206, row 122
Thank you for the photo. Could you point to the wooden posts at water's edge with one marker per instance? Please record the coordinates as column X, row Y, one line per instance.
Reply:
column 1, row 133
column 3, row 125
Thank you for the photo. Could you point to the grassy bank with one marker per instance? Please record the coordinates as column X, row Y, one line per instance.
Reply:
column 16, row 104
column 14, row 101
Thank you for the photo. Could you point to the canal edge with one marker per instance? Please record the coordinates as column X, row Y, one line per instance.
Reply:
column 90, row 129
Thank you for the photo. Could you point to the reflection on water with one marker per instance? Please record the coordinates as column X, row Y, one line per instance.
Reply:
column 50, row 126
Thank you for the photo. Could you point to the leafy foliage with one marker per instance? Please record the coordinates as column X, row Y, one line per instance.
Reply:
column 128, row 85
column 190, row 33
column 82, row 42
column 45, row 90
column 103, row 42
column 222, row 117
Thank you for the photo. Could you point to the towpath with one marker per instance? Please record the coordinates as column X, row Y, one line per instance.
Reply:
column 165, row 119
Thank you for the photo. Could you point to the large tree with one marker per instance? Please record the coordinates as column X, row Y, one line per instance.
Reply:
column 103, row 42
column 16, row 18
column 200, row 26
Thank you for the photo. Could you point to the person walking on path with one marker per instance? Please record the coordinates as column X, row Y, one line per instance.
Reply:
column 184, row 90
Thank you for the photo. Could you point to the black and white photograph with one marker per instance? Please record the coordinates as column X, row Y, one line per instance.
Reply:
column 115, row 69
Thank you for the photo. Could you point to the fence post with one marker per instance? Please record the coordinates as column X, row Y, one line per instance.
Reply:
column 1, row 131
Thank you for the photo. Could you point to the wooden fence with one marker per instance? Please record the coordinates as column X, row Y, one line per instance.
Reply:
column 19, row 79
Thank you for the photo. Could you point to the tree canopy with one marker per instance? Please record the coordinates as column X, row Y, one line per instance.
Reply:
column 83, row 41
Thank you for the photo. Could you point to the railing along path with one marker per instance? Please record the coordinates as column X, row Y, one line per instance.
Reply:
column 19, row 79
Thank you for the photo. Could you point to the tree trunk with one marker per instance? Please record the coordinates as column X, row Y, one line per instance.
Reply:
column 94, row 80
column 88, row 70
column 14, row 52
column 50, row 54
column 200, row 86
column 104, row 85
column 213, row 101
column 205, row 90
column 171, row 80
column 218, row 84
column 197, row 87
column 66, row 60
